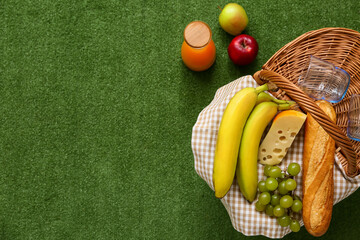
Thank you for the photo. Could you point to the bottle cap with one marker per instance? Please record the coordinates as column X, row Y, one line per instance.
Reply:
column 197, row 34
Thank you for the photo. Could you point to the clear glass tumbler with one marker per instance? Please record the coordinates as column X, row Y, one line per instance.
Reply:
column 323, row 80
column 353, row 129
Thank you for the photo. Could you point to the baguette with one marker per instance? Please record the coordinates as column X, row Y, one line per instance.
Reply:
column 318, row 180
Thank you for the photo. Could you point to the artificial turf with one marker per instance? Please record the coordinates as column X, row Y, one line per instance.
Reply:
column 97, row 109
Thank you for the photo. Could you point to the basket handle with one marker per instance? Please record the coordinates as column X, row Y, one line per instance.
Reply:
column 309, row 106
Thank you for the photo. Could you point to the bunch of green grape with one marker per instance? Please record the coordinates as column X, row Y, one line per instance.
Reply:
column 276, row 195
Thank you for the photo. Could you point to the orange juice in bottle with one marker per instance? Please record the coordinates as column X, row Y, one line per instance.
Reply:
column 198, row 50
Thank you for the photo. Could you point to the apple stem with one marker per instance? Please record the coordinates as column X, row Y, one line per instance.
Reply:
column 243, row 44
column 220, row 8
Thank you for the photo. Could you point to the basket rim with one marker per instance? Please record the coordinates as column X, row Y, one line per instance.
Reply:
column 281, row 56
column 307, row 35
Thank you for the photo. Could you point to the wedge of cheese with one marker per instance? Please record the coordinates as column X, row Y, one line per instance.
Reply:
column 286, row 125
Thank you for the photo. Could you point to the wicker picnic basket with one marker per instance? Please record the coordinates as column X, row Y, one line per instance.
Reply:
column 339, row 46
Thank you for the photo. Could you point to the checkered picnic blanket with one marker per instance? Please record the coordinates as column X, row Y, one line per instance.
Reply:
column 243, row 216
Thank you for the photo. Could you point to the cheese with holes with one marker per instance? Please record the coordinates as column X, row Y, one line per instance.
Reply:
column 286, row 125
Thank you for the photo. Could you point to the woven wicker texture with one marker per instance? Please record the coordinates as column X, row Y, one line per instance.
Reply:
column 339, row 46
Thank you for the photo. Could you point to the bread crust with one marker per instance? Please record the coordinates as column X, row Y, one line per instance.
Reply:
column 318, row 180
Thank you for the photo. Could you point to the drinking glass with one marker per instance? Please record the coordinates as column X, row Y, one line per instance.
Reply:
column 353, row 129
column 323, row 80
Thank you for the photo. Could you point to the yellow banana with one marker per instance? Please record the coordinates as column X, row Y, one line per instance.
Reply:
column 229, row 136
column 246, row 169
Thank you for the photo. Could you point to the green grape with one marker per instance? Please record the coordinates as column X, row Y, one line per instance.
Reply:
column 275, row 199
column 262, row 186
column 269, row 210
column 264, row 198
column 275, row 172
column 296, row 206
column 271, row 184
column 259, row 207
column 278, row 211
column 282, row 175
column 267, row 170
column 282, row 188
column 295, row 226
column 284, row 221
column 293, row 169
column 290, row 184
column 286, row 201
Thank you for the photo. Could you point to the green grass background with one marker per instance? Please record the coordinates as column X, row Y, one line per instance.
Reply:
column 97, row 109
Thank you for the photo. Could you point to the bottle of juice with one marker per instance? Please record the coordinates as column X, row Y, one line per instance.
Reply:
column 198, row 50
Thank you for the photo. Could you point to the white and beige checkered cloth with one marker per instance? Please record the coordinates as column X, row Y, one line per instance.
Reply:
column 243, row 216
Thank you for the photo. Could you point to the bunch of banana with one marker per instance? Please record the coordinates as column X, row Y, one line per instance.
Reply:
column 243, row 122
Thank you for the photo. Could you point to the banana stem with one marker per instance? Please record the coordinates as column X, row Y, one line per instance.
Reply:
column 265, row 97
column 262, row 88
column 284, row 106
column 291, row 102
column 278, row 101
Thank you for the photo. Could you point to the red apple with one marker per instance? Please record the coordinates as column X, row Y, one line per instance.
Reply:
column 243, row 49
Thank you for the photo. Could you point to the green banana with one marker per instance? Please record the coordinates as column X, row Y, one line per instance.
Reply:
column 229, row 137
column 246, row 169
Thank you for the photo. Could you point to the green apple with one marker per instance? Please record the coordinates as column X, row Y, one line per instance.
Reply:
column 233, row 19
